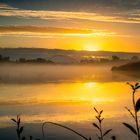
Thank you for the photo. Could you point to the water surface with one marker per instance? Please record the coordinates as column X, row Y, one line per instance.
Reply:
column 66, row 95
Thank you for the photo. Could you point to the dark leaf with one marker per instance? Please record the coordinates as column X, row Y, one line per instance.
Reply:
column 130, row 112
column 102, row 119
column 18, row 121
column 23, row 138
column 130, row 127
column 95, row 125
column 107, row 132
column 101, row 112
column 98, row 118
column 31, row 137
column 21, row 129
column 96, row 110
column 131, row 85
column 137, row 87
column 17, row 117
column 13, row 120
column 137, row 107
column 136, row 84
column 17, row 131
column 113, row 138
column 98, row 137
column 89, row 138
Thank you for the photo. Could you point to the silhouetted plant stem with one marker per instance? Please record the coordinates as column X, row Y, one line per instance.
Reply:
column 65, row 128
column 136, row 114
column 99, row 125
column 101, row 133
column 136, row 107
column 19, row 129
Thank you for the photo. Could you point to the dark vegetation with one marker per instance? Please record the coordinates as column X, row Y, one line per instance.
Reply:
column 133, row 66
column 4, row 59
column 83, row 60
column 38, row 60
column 99, row 126
column 23, row 60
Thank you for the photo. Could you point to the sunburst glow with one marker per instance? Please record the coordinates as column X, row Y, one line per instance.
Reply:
column 91, row 47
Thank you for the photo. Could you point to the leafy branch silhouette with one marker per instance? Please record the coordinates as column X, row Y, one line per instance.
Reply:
column 99, row 127
column 134, row 114
column 20, row 129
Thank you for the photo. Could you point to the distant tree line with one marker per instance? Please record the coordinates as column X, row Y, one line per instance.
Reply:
column 37, row 60
column 114, row 58
column 87, row 60
column 4, row 59
column 24, row 60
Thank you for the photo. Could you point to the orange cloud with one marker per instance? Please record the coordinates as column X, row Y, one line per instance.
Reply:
column 51, row 31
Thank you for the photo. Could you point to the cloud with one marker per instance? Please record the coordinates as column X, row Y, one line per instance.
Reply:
column 72, row 5
column 36, row 31
column 4, row 6
column 129, row 16
column 43, row 29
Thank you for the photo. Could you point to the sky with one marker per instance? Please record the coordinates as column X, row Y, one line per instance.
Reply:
column 109, row 25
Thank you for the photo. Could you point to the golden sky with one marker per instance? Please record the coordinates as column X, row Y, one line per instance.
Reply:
column 59, row 25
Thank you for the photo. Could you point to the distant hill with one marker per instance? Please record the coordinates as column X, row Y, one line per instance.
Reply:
column 135, row 66
column 64, row 56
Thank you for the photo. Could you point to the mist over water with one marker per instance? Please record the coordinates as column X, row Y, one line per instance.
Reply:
column 64, row 94
column 39, row 73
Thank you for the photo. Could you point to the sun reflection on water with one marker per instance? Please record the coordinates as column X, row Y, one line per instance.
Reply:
column 64, row 101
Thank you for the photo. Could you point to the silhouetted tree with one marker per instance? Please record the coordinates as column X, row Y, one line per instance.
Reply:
column 6, row 59
column 0, row 57
column 114, row 58
column 22, row 60
column 134, row 58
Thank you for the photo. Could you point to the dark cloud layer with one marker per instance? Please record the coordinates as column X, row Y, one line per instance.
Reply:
column 76, row 5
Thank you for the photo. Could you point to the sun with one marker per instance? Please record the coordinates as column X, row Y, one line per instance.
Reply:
column 91, row 47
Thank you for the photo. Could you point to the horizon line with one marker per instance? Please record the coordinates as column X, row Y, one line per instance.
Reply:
column 78, row 50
